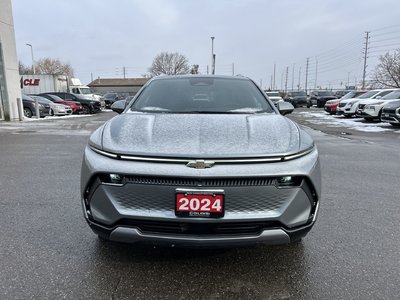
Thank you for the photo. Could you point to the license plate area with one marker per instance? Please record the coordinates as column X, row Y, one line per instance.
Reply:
column 194, row 203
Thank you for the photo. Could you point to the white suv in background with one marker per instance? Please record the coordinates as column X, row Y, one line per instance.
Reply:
column 372, row 109
column 349, row 107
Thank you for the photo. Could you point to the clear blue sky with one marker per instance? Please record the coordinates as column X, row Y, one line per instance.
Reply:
column 101, row 37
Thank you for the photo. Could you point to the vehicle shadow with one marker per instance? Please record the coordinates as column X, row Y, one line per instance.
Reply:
column 262, row 272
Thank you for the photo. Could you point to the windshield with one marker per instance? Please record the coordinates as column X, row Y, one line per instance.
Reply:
column 325, row 93
column 85, row 91
column 297, row 94
column 55, row 98
column 202, row 95
column 349, row 95
column 42, row 99
column 273, row 94
column 392, row 95
column 110, row 96
column 367, row 95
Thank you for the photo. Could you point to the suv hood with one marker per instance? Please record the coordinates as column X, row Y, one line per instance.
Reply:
column 200, row 135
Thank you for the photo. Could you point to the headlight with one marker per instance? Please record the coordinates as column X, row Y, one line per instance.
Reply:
column 371, row 107
column 60, row 107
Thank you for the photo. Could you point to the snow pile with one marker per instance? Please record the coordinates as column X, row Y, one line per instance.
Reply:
column 352, row 123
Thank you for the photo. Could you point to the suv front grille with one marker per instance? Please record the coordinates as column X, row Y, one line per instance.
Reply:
column 222, row 182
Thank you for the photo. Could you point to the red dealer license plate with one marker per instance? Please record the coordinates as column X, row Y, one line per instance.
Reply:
column 199, row 203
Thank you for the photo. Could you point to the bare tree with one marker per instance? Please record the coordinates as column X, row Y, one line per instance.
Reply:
column 24, row 70
column 194, row 69
column 53, row 66
column 169, row 64
column 387, row 72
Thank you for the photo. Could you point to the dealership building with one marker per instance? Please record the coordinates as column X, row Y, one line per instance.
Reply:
column 10, row 91
column 117, row 85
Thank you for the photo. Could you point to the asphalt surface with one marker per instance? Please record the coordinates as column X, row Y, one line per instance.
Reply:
column 47, row 251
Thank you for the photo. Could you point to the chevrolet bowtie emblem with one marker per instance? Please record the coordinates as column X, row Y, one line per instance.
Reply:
column 200, row 164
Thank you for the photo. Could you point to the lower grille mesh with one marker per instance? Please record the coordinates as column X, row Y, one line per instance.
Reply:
column 195, row 228
column 220, row 182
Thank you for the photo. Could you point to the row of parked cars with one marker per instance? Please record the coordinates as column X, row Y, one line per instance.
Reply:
column 63, row 104
column 300, row 98
column 379, row 104
column 59, row 104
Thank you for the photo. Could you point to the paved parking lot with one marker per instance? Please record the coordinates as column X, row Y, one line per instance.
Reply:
column 49, row 252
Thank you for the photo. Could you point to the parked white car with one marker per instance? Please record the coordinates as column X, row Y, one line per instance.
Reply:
column 348, row 107
column 274, row 96
column 373, row 108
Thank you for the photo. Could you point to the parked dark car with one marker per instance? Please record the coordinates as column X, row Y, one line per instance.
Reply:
column 391, row 113
column 320, row 97
column 298, row 98
column 75, row 106
column 88, row 106
column 29, row 105
column 110, row 98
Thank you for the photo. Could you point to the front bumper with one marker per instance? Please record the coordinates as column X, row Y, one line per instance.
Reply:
column 142, row 209
column 390, row 117
column 330, row 108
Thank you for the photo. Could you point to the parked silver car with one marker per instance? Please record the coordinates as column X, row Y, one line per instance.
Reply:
column 56, row 109
column 201, row 161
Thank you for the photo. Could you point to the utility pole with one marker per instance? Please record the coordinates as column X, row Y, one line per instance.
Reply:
column 292, row 77
column 233, row 69
column 274, row 86
column 298, row 86
column 348, row 79
column 270, row 86
column 261, row 83
column 286, row 79
column 306, row 74
column 365, row 58
column 123, row 69
column 316, row 74
column 212, row 56
column 33, row 60
column 91, row 76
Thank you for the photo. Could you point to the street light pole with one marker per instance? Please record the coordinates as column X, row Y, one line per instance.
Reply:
column 212, row 56
column 33, row 60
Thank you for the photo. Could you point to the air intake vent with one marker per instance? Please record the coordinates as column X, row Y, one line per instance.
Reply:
column 219, row 182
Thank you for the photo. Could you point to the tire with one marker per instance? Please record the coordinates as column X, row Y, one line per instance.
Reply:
column 27, row 112
column 51, row 112
column 85, row 110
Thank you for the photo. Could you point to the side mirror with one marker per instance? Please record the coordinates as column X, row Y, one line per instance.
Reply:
column 284, row 107
column 118, row 106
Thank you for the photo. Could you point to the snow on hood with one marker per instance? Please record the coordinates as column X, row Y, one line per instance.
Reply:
column 201, row 135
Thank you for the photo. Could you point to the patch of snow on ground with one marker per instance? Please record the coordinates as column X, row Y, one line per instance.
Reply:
column 55, row 117
column 351, row 123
